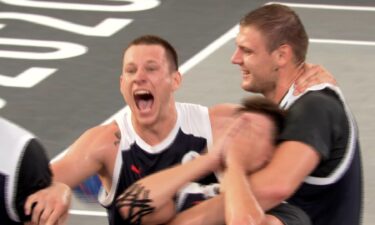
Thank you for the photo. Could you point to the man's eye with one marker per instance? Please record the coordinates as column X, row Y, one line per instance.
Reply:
column 130, row 71
column 151, row 68
column 246, row 51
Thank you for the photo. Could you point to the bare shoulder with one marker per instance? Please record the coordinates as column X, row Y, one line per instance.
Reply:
column 92, row 153
column 96, row 145
column 99, row 139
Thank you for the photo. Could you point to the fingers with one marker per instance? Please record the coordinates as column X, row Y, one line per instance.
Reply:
column 312, row 75
column 240, row 123
column 310, row 71
column 48, row 206
column 30, row 203
column 55, row 218
column 40, row 213
column 237, row 128
column 45, row 216
column 219, row 149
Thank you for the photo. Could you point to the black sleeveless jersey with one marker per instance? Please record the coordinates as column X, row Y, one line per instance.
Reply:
column 332, row 194
column 136, row 159
column 24, row 169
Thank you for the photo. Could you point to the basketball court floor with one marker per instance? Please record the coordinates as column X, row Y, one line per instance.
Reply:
column 60, row 63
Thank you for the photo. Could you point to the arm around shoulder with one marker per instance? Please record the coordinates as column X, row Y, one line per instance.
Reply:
column 292, row 163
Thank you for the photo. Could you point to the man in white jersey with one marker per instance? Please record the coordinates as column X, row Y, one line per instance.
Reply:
column 24, row 170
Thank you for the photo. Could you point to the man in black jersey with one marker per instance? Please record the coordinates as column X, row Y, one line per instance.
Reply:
column 317, row 164
column 24, row 170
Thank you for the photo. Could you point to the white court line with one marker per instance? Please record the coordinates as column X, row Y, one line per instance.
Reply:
column 87, row 213
column 2, row 103
column 342, row 42
column 199, row 57
column 209, row 49
column 320, row 6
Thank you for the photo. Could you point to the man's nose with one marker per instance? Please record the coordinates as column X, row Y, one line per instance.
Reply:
column 140, row 76
column 236, row 57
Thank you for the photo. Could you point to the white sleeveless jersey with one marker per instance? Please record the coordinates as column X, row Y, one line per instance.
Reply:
column 136, row 159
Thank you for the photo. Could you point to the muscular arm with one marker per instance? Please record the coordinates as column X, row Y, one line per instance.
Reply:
column 92, row 153
column 292, row 162
column 241, row 207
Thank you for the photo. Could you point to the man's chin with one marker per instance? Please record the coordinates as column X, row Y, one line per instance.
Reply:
column 143, row 119
column 246, row 87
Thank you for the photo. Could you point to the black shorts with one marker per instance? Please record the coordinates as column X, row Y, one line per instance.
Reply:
column 290, row 214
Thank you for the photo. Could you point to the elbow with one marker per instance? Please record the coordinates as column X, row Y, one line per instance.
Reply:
column 281, row 192
column 274, row 194
column 242, row 215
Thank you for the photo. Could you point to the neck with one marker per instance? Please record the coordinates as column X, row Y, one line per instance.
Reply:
column 155, row 133
column 288, row 75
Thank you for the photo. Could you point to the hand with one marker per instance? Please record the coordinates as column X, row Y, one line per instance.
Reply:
column 51, row 205
column 250, row 142
column 311, row 75
column 216, row 152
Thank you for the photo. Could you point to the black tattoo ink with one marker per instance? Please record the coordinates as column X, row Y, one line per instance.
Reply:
column 136, row 198
column 118, row 136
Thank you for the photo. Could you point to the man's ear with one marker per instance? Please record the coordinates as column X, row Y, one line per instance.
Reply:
column 177, row 79
column 121, row 80
column 283, row 55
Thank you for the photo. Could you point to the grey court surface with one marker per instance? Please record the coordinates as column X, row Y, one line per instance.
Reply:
column 59, row 69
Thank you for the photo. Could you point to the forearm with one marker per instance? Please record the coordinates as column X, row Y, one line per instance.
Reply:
column 209, row 212
column 291, row 164
column 266, row 192
column 241, row 206
column 62, row 172
column 164, row 185
column 74, row 167
column 158, row 190
column 235, row 202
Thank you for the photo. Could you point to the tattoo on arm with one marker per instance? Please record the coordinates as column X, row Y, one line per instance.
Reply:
column 136, row 198
column 118, row 136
